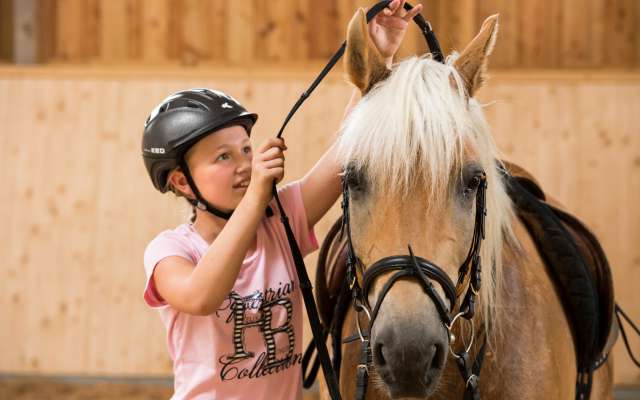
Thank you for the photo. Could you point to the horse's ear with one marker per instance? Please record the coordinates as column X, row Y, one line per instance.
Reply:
column 472, row 63
column 364, row 64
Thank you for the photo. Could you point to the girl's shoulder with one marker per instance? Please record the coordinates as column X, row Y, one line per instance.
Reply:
column 180, row 233
column 182, row 240
column 290, row 196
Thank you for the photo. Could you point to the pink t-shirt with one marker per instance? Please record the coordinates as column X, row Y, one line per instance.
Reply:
column 251, row 347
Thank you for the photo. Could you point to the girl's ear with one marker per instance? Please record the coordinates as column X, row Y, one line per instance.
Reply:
column 178, row 182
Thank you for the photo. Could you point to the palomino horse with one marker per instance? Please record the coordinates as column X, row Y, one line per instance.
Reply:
column 414, row 150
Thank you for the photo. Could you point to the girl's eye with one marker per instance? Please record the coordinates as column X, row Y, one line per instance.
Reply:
column 223, row 156
column 246, row 150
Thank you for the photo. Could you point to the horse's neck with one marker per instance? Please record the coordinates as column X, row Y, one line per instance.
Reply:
column 530, row 336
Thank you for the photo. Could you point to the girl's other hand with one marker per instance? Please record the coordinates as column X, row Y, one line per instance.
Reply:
column 387, row 29
column 267, row 166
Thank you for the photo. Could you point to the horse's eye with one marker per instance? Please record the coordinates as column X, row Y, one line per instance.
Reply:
column 471, row 184
column 355, row 179
column 474, row 183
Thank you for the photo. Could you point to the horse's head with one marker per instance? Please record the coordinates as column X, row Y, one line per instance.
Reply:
column 415, row 150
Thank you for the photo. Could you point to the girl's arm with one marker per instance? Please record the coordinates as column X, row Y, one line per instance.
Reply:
column 200, row 289
column 321, row 186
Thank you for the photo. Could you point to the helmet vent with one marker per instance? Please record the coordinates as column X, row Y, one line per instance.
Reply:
column 196, row 104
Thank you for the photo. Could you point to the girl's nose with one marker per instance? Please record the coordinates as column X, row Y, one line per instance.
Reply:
column 245, row 164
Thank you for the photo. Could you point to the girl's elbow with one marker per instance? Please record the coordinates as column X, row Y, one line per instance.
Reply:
column 204, row 307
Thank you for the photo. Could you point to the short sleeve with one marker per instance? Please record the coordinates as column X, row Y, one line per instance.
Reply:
column 165, row 245
column 291, row 198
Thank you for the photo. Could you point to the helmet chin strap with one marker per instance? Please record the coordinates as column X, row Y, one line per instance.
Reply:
column 199, row 201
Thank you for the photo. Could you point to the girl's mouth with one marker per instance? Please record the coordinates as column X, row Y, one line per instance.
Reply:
column 241, row 185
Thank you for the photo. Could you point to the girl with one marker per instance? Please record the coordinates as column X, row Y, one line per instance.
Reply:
column 225, row 284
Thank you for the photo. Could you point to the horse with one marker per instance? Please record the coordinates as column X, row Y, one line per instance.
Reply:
column 415, row 152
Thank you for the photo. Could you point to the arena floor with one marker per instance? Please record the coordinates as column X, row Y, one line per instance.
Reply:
column 58, row 388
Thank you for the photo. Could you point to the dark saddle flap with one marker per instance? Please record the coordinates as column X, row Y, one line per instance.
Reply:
column 575, row 260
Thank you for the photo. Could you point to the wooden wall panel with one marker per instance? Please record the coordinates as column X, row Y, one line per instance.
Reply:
column 6, row 30
column 621, row 39
column 533, row 33
column 156, row 35
column 537, row 21
column 79, row 210
column 116, row 39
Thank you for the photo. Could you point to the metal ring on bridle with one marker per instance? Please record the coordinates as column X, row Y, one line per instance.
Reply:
column 453, row 321
column 366, row 311
column 468, row 348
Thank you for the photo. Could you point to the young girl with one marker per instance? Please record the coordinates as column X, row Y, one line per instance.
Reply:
column 225, row 284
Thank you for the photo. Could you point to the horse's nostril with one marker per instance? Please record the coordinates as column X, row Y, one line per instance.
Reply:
column 438, row 358
column 378, row 355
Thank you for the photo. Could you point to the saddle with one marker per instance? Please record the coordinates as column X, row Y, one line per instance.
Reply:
column 573, row 256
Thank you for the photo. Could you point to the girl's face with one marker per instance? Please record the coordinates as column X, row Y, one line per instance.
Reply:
column 220, row 165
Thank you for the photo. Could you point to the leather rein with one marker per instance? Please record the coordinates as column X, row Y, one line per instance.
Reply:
column 406, row 265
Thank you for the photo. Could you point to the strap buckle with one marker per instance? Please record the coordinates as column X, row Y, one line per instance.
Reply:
column 472, row 382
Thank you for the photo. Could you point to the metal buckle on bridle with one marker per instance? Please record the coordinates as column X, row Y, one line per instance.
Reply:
column 472, row 381
column 473, row 289
column 353, row 282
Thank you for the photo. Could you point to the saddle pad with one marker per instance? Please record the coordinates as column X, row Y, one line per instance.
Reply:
column 330, row 272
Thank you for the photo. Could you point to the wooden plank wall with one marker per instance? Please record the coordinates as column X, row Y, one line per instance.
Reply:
column 78, row 209
column 6, row 30
column 534, row 33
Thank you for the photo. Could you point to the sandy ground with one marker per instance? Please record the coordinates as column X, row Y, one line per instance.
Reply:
column 44, row 389
column 56, row 389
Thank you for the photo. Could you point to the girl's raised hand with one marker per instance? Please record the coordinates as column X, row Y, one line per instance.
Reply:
column 387, row 29
column 267, row 166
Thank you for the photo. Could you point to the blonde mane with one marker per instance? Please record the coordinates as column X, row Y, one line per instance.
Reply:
column 414, row 126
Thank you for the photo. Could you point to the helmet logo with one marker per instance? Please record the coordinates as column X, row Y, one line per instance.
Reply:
column 226, row 105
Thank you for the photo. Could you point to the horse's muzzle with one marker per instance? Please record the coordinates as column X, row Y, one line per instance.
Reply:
column 409, row 358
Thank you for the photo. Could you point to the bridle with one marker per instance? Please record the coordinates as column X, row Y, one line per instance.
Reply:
column 410, row 265
column 424, row 272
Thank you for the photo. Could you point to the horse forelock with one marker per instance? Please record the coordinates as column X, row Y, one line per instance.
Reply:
column 417, row 129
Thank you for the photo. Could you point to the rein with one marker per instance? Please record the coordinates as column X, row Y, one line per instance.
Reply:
column 422, row 270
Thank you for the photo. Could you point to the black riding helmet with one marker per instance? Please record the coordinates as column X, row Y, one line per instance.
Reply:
column 177, row 123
